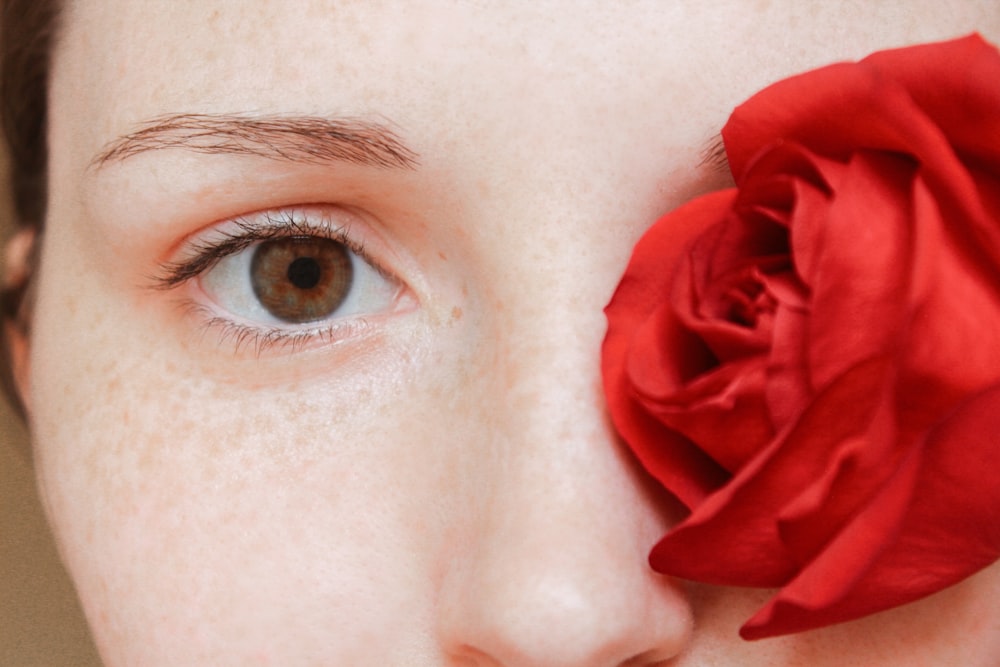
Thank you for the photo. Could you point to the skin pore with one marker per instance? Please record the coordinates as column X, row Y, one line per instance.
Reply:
column 429, row 479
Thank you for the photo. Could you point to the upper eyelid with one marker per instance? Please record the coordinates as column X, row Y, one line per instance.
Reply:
column 205, row 254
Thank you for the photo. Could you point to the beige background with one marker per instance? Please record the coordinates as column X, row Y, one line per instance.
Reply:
column 41, row 624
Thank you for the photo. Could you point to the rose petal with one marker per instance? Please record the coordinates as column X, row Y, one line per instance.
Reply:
column 955, row 302
column 734, row 537
column 951, row 128
column 678, row 464
column 814, row 598
column 858, row 472
column 723, row 411
column 861, row 268
column 963, row 107
column 823, row 109
column 951, row 529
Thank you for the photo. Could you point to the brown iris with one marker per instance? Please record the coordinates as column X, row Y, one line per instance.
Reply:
column 301, row 279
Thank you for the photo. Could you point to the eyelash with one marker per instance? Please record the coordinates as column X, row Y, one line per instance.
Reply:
column 249, row 230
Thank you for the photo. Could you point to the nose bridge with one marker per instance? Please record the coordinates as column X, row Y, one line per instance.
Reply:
column 557, row 573
column 555, row 444
column 548, row 325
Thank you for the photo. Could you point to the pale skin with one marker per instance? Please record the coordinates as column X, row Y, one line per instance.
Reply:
column 440, row 486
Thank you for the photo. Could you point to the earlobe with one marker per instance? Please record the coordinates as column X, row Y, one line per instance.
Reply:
column 15, row 376
column 17, row 302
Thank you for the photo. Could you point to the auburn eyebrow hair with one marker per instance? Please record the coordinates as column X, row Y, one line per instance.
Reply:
column 713, row 155
column 311, row 139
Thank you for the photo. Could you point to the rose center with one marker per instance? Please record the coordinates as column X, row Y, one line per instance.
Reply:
column 747, row 299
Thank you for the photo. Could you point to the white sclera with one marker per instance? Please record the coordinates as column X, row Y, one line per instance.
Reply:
column 229, row 285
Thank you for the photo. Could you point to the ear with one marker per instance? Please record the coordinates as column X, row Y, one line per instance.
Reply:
column 20, row 261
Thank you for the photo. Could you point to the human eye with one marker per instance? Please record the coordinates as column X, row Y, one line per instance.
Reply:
column 289, row 277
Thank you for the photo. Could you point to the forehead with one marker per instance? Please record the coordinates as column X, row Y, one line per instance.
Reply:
column 512, row 77
column 484, row 70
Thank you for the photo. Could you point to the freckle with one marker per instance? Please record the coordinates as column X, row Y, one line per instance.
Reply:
column 456, row 314
column 442, row 255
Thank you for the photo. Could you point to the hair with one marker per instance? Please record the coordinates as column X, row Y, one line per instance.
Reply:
column 27, row 29
column 27, row 34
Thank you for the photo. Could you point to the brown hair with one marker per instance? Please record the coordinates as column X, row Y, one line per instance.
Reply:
column 27, row 28
column 27, row 33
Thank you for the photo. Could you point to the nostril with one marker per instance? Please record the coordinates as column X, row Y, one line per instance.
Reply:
column 651, row 658
column 469, row 656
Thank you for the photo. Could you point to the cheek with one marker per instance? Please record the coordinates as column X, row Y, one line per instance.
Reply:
column 206, row 515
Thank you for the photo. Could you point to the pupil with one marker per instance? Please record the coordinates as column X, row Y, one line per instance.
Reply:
column 304, row 272
column 301, row 279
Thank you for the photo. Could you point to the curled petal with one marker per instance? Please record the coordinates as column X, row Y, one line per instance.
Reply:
column 934, row 524
column 734, row 537
column 680, row 465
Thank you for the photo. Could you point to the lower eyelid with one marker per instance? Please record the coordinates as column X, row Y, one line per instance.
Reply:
column 260, row 340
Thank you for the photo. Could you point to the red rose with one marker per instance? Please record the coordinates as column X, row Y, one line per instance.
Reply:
column 817, row 374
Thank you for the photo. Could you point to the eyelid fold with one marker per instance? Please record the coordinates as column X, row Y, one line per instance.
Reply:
column 240, row 232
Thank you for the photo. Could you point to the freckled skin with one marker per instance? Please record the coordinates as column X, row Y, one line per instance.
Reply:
column 439, row 485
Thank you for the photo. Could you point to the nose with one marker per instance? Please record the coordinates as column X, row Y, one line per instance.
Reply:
column 556, row 574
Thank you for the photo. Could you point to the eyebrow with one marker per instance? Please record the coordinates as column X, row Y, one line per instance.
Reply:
column 310, row 139
column 713, row 155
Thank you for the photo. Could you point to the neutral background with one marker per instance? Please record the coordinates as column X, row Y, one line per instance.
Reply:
column 41, row 624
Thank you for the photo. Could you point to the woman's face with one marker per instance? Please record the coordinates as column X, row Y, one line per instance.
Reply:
column 423, row 474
